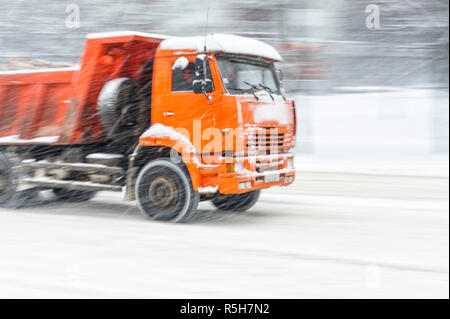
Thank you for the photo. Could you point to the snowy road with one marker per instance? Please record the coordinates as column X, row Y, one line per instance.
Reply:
column 329, row 235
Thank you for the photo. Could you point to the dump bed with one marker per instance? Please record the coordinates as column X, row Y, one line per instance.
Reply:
column 59, row 106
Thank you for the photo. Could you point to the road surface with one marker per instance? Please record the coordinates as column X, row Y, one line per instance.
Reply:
column 330, row 235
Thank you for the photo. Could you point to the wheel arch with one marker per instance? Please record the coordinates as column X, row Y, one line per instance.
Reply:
column 146, row 154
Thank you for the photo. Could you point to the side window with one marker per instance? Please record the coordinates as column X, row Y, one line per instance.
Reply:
column 182, row 78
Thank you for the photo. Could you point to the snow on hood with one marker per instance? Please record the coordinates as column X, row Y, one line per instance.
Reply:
column 222, row 43
column 268, row 110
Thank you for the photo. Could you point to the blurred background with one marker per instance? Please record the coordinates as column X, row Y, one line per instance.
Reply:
column 370, row 77
column 368, row 213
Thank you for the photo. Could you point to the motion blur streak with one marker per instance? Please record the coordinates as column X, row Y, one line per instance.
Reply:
column 368, row 213
column 328, row 235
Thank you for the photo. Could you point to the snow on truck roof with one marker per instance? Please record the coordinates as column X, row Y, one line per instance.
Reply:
column 116, row 34
column 223, row 43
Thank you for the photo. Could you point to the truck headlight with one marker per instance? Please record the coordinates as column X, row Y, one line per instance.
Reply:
column 235, row 167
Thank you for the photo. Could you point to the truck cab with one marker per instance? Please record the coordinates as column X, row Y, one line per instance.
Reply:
column 171, row 120
column 241, row 126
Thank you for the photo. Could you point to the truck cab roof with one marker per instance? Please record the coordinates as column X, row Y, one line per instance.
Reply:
column 226, row 43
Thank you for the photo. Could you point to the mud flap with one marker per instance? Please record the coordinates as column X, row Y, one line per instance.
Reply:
column 130, row 194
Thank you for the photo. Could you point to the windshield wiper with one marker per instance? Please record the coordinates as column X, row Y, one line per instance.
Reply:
column 254, row 87
column 268, row 89
column 271, row 91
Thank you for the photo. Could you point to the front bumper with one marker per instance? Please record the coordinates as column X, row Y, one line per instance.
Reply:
column 255, row 172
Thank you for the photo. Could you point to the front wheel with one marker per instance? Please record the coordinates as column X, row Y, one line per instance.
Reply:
column 164, row 192
column 236, row 202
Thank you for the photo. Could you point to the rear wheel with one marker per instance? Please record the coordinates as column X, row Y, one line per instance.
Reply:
column 7, row 180
column 164, row 192
column 236, row 202
column 74, row 196
column 9, row 195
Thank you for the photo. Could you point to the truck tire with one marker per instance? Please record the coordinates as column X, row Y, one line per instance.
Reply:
column 73, row 196
column 236, row 202
column 7, row 180
column 119, row 104
column 10, row 197
column 164, row 192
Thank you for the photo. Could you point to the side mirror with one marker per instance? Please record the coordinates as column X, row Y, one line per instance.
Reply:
column 202, row 86
column 202, row 83
column 279, row 75
column 197, row 86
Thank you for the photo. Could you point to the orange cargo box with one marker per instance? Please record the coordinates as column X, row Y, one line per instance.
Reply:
column 59, row 106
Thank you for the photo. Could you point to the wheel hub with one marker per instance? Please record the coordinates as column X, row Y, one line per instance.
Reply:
column 163, row 193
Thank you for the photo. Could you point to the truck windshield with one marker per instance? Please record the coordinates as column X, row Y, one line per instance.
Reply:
column 243, row 75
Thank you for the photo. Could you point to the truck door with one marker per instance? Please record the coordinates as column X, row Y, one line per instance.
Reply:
column 182, row 108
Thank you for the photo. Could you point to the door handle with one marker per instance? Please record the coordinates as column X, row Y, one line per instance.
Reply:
column 169, row 114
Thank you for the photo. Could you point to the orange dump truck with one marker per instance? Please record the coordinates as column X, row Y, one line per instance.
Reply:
column 168, row 121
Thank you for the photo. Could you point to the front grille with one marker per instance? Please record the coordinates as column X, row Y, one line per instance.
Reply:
column 266, row 141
